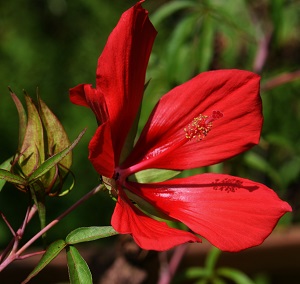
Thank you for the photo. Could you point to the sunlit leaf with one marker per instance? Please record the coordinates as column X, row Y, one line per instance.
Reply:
column 153, row 175
column 52, row 251
column 79, row 272
column 87, row 234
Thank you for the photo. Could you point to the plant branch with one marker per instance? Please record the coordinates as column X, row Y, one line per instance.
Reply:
column 55, row 221
column 17, row 255
column 168, row 271
column 280, row 80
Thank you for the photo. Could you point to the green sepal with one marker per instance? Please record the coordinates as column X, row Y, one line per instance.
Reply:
column 32, row 149
column 52, row 251
column 87, row 234
column 153, row 175
column 6, row 166
column 22, row 118
column 69, row 188
column 12, row 178
column 56, row 140
column 51, row 162
column 79, row 272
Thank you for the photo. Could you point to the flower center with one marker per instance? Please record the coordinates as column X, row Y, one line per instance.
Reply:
column 201, row 125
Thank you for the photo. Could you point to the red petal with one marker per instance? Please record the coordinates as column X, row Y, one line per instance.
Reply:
column 235, row 93
column 121, row 70
column 230, row 212
column 148, row 233
column 85, row 95
column 101, row 152
column 77, row 96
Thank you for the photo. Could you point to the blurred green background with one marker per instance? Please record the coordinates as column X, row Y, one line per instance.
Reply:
column 55, row 44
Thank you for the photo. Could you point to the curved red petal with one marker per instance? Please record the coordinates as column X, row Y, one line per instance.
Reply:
column 234, row 93
column 86, row 95
column 77, row 96
column 121, row 70
column 230, row 212
column 101, row 152
column 148, row 233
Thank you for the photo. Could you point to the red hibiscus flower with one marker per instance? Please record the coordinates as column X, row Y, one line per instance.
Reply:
column 210, row 118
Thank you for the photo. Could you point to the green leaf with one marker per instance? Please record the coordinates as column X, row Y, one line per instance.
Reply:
column 22, row 118
column 32, row 149
column 153, row 175
column 235, row 275
column 206, row 42
column 168, row 9
column 257, row 162
column 51, row 162
column 87, row 234
column 180, row 47
column 290, row 171
column 79, row 272
column 211, row 260
column 52, row 251
column 195, row 272
column 12, row 178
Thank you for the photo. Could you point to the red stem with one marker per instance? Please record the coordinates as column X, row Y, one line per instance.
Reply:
column 16, row 255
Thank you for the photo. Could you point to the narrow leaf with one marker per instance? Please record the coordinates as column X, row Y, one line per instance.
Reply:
column 87, row 234
column 235, row 275
column 22, row 118
column 170, row 8
column 52, row 251
column 51, row 162
column 8, row 176
column 79, row 272
column 153, row 175
column 206, row 42
column 211, row 260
